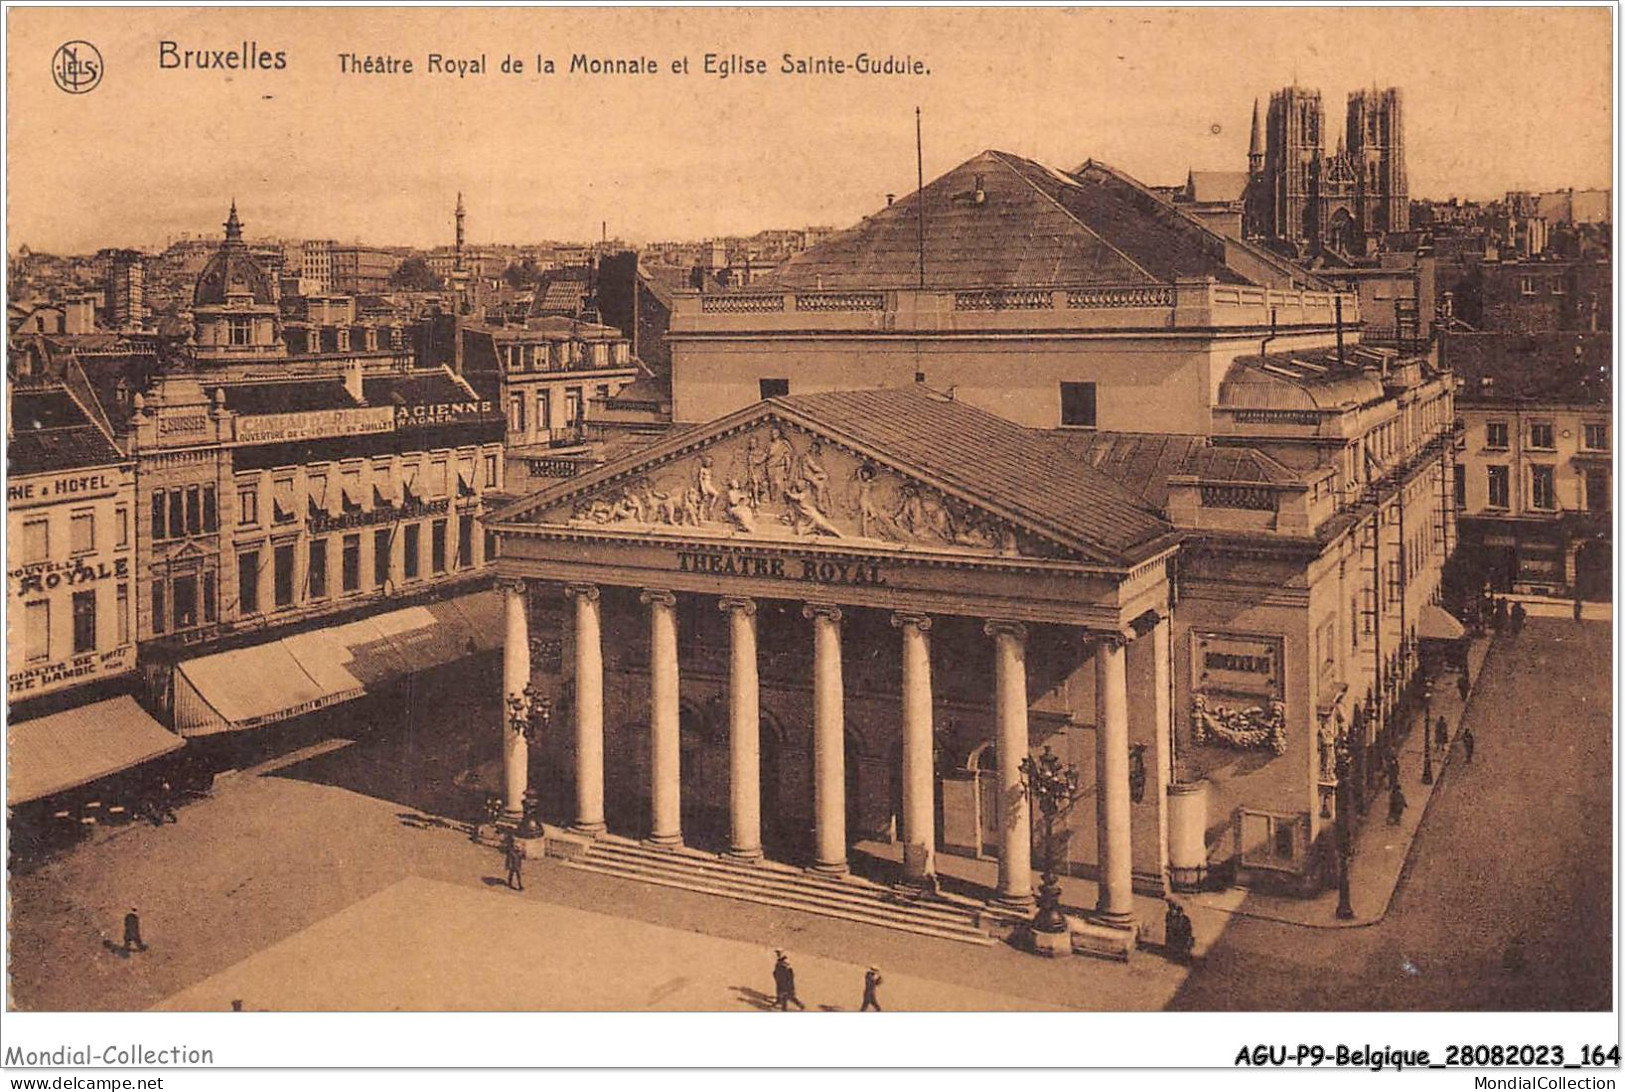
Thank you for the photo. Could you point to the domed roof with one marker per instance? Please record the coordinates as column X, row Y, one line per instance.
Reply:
column 232, row 271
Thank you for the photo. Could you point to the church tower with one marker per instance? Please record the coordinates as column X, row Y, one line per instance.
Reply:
column 1292, row 160
column 1376, row 147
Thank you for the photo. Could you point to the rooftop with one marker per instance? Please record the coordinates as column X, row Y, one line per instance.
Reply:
column 51, row 432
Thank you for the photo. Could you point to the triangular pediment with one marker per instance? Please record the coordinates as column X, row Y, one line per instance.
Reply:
column 771, row 475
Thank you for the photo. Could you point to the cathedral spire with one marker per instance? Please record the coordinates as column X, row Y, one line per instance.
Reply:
column 1255, row 149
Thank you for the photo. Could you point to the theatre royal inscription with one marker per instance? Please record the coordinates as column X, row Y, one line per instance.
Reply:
column 810, row 569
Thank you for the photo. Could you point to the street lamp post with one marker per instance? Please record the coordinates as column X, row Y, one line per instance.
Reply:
column 1055, row 786
column 1427, row 736
column 539, row 716
column 1345, row 832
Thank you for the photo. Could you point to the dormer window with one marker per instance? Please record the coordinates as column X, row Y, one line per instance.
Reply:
column 240, row 331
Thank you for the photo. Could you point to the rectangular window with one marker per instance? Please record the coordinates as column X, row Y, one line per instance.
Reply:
column 241, row 331
column 248, row 582
column 121, row 526
column 159, row 527
column 1526, row 285
column 84, row 622
column 122, row 600
column 1596, row 489
column 1461, row 486
column 516, row 414
column 194, row 510
column 82, row 532
column 185, row 596
column 491, row 471
column 437, row 546
column 465, row 541
column 1543, row 487
column 413, row 532
column 1396, row 582
column 208, row 596
column 1596, row 437
column 351, row 564
column 572, row 407
column 282, row 576
column 380, row 559
column 1495, row 435
column 283, row 509
column 316, row 572
column 37, row 632
column 157, row 606
column 1078, row 405
column 1500, row 487
column 774, row 388
column 248, row 506
column 544, row 410
column 211, row 511
column 177, row 513
column 1541, row 436
column 437, row 478
column 37, row 540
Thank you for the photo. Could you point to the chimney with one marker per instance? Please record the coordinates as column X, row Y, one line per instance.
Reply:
column 890, row 197
column 979, row 195
column 352, row 380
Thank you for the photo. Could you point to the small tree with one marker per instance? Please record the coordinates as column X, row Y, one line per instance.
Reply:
column 415, row 275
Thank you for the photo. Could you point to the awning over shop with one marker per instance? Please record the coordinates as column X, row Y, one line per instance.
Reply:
column 250, row 687
column 80, row 745
column 1437, row 624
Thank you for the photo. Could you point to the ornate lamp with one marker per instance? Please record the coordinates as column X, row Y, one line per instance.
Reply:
column 1055, row 786
column 1346, row 793
column 1427, row 735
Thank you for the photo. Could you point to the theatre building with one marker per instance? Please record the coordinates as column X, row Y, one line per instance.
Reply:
column 1109, row 484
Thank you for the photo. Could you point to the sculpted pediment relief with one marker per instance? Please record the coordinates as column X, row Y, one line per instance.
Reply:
column 776, row 481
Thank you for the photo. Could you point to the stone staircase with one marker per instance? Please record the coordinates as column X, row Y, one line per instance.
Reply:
column 769, row 883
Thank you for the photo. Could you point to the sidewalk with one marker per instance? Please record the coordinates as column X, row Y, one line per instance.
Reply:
column 1380, row 849
column 1542, row 606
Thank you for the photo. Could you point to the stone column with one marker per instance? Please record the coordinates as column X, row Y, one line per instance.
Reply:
column 589, row 709
column 515, row 678
column 829, row 739
column 1011, row 743
column 744, row 732
column 1161, row 647
column 665, row 743
column 1113, row 843
column 919, row 773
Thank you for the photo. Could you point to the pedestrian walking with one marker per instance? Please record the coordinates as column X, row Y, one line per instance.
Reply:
column 1518, row 616
column 515, row 858
column 1391, row 766
column 784, row 985
column 1464, row 685
column 871, row 987
column 1499, row 618
column 1467, row 741
column 1579, row 607
column 1441, row 733
column 1178, row 938
column 1396, row 805
column 132, row 932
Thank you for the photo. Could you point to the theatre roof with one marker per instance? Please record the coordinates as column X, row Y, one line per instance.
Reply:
column 1143, row 462
column 1311, row 380
column 1031, row 225
column 1024, row 475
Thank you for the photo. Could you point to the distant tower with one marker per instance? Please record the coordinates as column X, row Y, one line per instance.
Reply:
column 1292, row 159
column 460, row 214
column 126, row 291
column 1256, row 203
column 1376, row 147
column 1255, row 149
column 459, row 292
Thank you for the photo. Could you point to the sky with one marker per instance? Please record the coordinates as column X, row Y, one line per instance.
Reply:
column 1494, row 100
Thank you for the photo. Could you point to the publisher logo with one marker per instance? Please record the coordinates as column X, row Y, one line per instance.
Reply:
column 77, row 67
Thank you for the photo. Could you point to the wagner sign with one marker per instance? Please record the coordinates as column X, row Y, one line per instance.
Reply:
column 442, row 413
column 271, row 428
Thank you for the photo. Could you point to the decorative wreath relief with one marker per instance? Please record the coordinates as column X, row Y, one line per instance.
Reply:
column 1251, row 728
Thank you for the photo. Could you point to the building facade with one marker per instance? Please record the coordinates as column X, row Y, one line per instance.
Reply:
column 70, row 510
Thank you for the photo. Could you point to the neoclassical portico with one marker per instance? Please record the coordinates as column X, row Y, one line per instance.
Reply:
column 789, row 506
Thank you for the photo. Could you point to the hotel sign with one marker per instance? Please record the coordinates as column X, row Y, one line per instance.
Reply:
column 80, row 486
column 271, row 428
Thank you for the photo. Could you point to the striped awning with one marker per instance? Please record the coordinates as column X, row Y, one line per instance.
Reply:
column 77, row 746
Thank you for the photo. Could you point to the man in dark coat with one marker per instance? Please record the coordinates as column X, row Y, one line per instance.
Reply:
column 1441, row 733
column 1396, row 805
column 1500, row 615
column 132, row 932
column 871, row 987
column 1391, row 766
column 784, row 985
column 1178, row 937
column 1467, row 741
column 1518, row 615
column 1464, row 685
column 515, row 858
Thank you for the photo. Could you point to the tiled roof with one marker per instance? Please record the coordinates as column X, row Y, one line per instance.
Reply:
column 288, row 396
column 50, row 433
column 1032, row 225
column 414, row 390
column 1217, row 186
column 1572, row 368
column 1142, row 462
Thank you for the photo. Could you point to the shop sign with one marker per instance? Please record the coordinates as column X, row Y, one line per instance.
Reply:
column 49, row 575
column 441, row 413
column 63, row 487
column 410, row 510
column 814, row 570
column 1229, row 664
column 270, row 428
column 89, row 665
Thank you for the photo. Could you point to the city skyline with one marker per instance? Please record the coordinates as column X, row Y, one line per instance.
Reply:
column 1478, row 116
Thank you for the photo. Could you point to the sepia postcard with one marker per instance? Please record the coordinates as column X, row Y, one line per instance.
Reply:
column 1086, row 513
